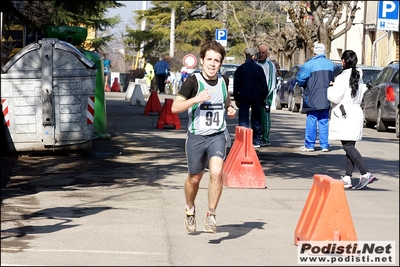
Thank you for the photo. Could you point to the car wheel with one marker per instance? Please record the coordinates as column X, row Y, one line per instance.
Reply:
column 381, row 126
column 278, row 104
column 290, row 102
column 397, row 123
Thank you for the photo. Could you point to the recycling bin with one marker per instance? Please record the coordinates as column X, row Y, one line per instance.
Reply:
column 47, row 98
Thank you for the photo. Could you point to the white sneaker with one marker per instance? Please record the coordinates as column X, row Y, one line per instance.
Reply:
column 305, row 149
column 365, row 180
column 346, row 181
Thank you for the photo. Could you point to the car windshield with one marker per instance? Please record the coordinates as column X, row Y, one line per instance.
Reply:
column 230, row 74
column 227, row 66
column 370, row 75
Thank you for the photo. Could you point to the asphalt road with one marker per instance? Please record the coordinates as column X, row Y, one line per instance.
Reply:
column 122, row 203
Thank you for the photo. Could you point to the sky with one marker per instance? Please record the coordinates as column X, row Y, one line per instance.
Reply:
column 126, row 13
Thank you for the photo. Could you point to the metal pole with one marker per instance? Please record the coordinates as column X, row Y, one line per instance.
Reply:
column 141, row 64
column 172, row 34
column 373, row 48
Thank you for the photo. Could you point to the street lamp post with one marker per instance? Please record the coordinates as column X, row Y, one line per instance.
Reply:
column 172, row 34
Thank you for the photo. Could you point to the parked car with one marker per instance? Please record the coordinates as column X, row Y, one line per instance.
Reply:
column 279, row 79
column 230, row 73
column 193, row 71
column 285, row 88
column 228, row 66
column 381, row 100
column 295, row 102
column 289, row 94
column 369, row 72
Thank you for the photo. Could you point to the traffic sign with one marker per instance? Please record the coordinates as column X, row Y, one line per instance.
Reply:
column 190, row 61
column 388, row 16
column 221, row 36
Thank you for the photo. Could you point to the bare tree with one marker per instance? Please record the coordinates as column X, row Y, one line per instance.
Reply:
column 252, row 19
column 316, row 21
column 310, row 22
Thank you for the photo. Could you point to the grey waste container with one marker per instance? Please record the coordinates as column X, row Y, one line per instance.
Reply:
column 47, row 96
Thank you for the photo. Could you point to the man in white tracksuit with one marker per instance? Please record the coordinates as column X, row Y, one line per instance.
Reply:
column 270, row 73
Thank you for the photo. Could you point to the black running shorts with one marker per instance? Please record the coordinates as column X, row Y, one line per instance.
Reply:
column 200, row 148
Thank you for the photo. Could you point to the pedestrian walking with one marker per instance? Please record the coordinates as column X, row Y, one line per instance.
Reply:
column 107, row 71
column 161, row 69
column 315, row 76
column 347, row 119
column 270, row 74
column 170, row 83
column 184, row 74
column 149, row 73
column 250, row 89
column 205, row 96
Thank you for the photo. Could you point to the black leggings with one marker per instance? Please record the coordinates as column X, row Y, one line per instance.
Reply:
column 161, row 82
column 353, row 157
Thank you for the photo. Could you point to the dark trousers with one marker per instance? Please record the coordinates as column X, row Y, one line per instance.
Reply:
column 161, row 82
column 353, row 157
column 244, row 118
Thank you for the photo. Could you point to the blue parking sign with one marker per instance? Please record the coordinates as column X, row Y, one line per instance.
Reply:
column 221, row 36
column 388, row 16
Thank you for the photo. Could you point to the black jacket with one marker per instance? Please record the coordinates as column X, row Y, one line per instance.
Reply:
column 250, row 83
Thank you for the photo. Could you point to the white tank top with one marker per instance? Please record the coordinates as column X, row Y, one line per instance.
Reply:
column 208, row 117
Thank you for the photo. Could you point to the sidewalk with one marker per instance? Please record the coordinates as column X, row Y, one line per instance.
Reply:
column 122, row 204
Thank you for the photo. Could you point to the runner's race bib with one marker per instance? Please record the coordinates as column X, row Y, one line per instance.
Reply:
column 211, row 116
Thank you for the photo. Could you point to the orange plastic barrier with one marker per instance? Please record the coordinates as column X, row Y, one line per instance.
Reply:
column 167, row 118
column 116, row 87
column 326, row 215
column 153, row 104
column 242, row 167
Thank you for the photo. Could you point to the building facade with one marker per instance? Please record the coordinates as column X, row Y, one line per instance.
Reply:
column 373, row 46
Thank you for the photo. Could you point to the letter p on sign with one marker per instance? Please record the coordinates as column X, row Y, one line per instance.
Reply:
column 388, row 16
column 221, row 36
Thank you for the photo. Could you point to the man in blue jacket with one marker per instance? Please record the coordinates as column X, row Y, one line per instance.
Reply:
column 250, row 89
column 315, row 76
column 161, row 68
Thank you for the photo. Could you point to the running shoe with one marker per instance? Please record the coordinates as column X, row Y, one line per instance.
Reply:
column 265, row 143
column 210, row 223
column 374, row 180
column 364, row 180
column 305, row 149
column 190, row 222
column 346, row 181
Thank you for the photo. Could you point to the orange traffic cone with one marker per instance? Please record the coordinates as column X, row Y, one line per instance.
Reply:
column 242, row 167
column 167, row 118
column 116, row 87
column 326, row 215
column 153, row 104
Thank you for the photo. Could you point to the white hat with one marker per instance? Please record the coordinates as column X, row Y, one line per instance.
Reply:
column 251, row 51
column 184, row 69
column 319, row 49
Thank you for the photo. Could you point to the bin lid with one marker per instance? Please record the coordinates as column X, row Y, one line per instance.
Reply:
column 58, row 44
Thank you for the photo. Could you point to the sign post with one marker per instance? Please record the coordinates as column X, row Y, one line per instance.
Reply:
column 388, row 16
column 221, row 36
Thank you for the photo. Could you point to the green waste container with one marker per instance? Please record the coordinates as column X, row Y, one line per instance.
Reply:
column 100, row 113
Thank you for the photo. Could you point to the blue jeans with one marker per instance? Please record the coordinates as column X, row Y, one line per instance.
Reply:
column 316, row 118
column 244, row 120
